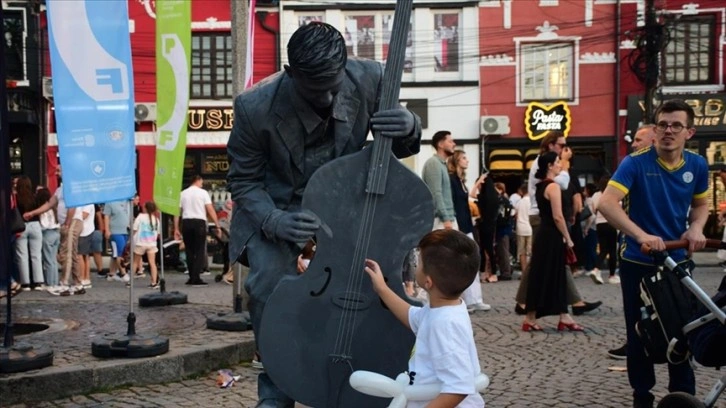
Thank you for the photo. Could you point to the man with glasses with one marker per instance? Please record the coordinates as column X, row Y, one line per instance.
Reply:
column 676, row 180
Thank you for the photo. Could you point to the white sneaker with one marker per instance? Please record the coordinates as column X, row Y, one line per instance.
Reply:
column 126, row 278
column 57, row 290
column 595, row 276
column 614, row 280
column 86, row 283
column 478, row 306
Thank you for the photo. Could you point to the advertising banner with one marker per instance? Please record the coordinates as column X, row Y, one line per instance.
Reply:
column 173, row 45
column 93, row 94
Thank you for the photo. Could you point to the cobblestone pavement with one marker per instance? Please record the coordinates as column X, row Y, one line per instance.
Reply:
column 548, row 369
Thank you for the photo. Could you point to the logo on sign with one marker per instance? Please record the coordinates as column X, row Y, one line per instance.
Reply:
column 98, row 168
column 540, row 119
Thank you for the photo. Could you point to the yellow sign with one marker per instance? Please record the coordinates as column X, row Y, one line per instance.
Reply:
column 540, row 119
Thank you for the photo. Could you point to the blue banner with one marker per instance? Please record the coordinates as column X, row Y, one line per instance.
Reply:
column 90, row 52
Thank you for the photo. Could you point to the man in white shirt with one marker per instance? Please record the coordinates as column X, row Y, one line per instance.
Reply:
column 87, row 215
column 195, row 204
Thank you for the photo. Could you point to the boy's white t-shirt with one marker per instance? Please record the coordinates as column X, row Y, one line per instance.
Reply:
column 444, row 352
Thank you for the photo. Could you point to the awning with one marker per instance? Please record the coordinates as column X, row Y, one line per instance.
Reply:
column 505, row 159
column 529, row 157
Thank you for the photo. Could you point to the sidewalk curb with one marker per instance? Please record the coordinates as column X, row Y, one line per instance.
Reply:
column 179, row 363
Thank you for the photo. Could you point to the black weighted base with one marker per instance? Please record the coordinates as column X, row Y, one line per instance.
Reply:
column 132, row 346
column 230, row 322
column 24, row 357
column 162, row 299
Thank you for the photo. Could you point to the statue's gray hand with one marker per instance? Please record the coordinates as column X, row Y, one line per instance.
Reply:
column 393, row 122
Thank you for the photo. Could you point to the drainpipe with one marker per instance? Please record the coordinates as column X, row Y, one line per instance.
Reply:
column 262, row 18
column 617, row 82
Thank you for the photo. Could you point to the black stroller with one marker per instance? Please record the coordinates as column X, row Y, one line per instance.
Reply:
column 705, row 331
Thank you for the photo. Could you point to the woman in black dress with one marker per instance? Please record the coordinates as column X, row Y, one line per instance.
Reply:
column 546, row 293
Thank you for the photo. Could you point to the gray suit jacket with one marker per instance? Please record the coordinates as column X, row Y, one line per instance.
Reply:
column 266, row 151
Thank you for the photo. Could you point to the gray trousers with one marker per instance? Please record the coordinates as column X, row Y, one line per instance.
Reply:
column 573, row 295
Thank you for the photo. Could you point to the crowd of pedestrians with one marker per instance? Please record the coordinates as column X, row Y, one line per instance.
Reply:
column 56, row 250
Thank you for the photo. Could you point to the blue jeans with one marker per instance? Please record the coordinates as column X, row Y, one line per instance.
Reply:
column 640, row 370
column 29, row 252
column 590, row 249
column 51, row 242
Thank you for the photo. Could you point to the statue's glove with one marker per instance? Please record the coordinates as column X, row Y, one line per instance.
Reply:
column 393, row 123
column 293, row 226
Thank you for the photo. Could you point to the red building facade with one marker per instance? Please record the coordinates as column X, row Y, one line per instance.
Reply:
column 548, row 65
column 690, row 67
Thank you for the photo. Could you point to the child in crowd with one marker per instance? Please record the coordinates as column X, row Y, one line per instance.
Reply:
column 444, row 352
column 146, row 233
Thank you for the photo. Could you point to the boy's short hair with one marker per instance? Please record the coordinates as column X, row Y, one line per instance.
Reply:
column 451, row 259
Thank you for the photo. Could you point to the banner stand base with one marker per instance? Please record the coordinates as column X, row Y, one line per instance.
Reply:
column 239, row 321
column 24, row 357
column 130, row 345
column 162, row 298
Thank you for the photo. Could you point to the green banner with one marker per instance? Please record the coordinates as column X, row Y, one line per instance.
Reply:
column 173, row 50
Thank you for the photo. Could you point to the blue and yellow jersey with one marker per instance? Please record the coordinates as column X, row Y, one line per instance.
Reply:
column 659, row 197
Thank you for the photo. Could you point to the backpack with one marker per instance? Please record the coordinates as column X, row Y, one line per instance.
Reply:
column 668, row 307
column 505, row 212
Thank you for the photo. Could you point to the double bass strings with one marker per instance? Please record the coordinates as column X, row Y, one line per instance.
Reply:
column 346, row 329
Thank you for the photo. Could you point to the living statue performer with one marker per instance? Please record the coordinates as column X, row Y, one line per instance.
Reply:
column 321, row 107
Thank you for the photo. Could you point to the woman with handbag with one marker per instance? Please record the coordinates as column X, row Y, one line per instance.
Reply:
column 29, row 244
column 546, row 292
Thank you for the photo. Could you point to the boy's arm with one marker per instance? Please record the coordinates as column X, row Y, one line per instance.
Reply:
column 395, row 304
column 446, row 401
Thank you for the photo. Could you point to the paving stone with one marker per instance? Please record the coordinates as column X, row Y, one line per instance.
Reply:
column 549, row 369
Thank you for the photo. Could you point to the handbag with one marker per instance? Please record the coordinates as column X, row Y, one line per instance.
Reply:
column 570, row 257
column 585, row 213
column 17, row 223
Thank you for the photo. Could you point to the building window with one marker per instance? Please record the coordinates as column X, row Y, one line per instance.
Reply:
column 304, row 19
column 211, row 66
column 14, row 31
column 369, row 36
column 446, row 42
column 547, row 71
column 689, row 55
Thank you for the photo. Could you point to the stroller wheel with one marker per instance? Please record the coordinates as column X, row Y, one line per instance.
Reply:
column 680, row 400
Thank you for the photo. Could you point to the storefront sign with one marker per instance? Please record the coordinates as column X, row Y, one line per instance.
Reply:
column 221, row 118
column 540, row 119
column 710, row 110
column 210, row 119
column 215, row 164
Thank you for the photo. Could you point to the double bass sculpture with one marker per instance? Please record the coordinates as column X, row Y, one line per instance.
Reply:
column 319, row 327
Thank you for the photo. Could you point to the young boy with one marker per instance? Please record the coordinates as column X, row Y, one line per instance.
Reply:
column 444, row 351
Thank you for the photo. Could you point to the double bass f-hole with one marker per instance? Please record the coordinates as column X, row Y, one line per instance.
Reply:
column 329, row 273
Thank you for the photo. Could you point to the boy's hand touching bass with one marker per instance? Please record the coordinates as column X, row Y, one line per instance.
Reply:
column 374, row 271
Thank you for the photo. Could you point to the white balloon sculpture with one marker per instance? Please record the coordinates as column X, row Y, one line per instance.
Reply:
column 399, row 389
